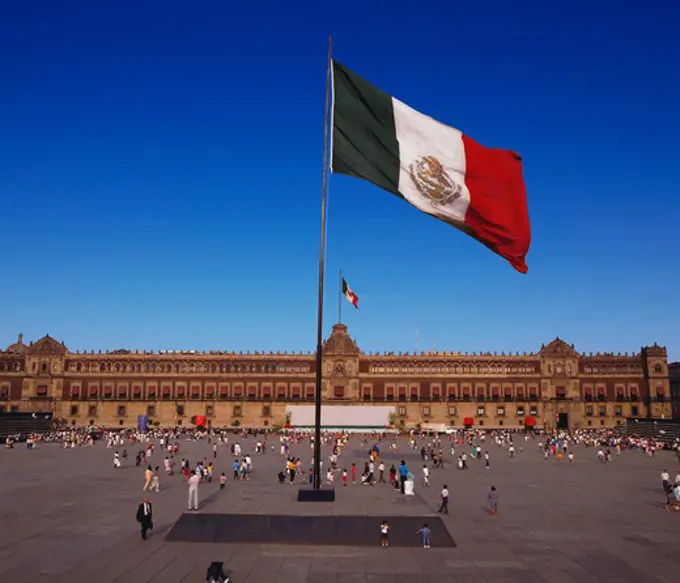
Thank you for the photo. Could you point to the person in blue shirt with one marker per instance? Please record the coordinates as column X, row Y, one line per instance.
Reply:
column 403, row 474
column 235, row 466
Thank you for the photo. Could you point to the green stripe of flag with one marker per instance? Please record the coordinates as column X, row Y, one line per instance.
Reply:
column 364, row 136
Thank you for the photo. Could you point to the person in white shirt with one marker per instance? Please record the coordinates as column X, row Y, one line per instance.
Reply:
column 194, row 480
column 426, row 475
column 665, row 477
column 444, row 508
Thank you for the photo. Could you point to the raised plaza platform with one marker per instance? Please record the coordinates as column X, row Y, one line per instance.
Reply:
column 288, row 529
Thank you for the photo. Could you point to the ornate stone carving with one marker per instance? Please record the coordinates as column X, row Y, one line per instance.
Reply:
column 47, row 345
column 340, row 343
column 18, row 347
column 558, row 348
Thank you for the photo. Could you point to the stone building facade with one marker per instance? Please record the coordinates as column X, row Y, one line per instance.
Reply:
column 674, row 377
column 556, row 385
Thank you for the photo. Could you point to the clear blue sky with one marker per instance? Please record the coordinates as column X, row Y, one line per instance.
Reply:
column 160, row 168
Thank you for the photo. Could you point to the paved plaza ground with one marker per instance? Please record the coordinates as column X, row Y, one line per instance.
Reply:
column 69, row 516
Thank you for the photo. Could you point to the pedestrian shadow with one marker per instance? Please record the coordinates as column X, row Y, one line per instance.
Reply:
column 208, row 500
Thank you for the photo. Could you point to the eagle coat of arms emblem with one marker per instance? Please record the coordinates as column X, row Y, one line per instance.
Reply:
column 433, row 181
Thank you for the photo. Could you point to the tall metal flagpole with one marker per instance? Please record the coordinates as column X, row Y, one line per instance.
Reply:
column 322, row 259
column 340, row 299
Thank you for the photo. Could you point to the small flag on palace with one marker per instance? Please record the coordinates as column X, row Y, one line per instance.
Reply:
column 436, row 168
column 350, row 296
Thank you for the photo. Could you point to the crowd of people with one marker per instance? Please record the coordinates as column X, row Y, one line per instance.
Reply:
column 158, row 452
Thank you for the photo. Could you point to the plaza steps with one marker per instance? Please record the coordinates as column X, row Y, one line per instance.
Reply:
column 24, row 424
column 665, row 430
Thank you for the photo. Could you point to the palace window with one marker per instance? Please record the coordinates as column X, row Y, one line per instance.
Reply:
column 151, row 410
column 339, row 392
column 533, row 411
column 121, row 410
column 238, row 411
column 508, row 393
column 366, row 393
column 210, row 392
column 180, row 410
column 252, row 392
column 451, row 393
column 520, row 393
column 181, row 392
column 414, row 393
column 660, row 394
column 520, row 411
column 452, row 411
column 634, row 410
column 496, row 393
column 436, row 393
column 310, row 390
column 601, row 394
column 92, row 411
column 589, row 410
column 281, row 392
column 602, row 410
column 402, row 393
column 560, row 393
column 500, row 411
column 588, row 393
column 266, row 411
column 389, row 396
column 209, row 410
column 195, row 392
column 74, row 410
column 151, row 392
column 426, row 411
column 402, row 411
column 618, row 411
column 266, row 392
column 481, row 411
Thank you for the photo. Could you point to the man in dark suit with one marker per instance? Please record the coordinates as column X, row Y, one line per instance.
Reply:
column 145, row 516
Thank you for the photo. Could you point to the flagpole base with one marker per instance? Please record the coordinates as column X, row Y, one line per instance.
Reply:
column 313, row 495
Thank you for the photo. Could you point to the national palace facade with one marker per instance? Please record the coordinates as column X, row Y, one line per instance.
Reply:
column 556, row 385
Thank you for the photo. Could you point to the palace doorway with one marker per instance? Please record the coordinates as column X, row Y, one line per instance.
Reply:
column 563, row 421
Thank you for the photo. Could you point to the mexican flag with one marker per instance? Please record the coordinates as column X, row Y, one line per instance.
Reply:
column 436, row 168
column 350, row 296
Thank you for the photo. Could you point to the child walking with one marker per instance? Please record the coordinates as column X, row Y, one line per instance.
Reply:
column 493, row 501
column 384, row 534
column 425, row 536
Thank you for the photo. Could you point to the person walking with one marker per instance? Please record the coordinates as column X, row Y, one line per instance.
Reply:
column 493, row 501
column 145, row 517
column 444, row 508
column 194, row 480
column 148, row 478
column 403, row 474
